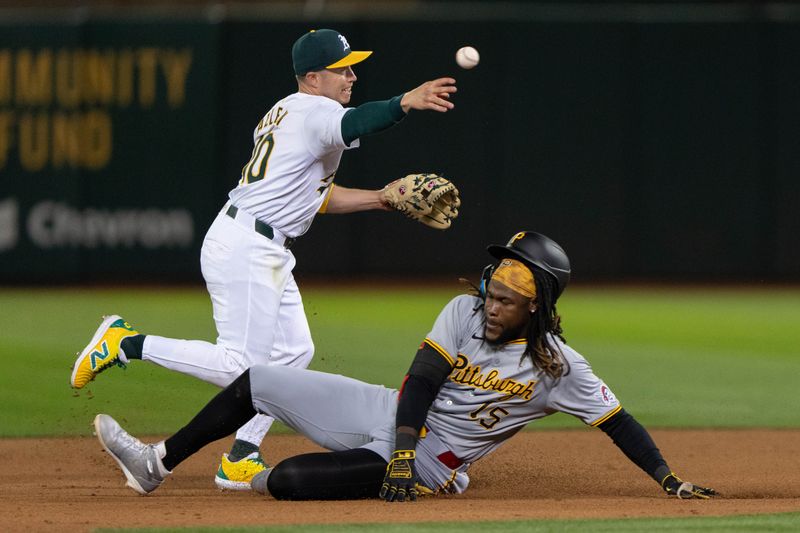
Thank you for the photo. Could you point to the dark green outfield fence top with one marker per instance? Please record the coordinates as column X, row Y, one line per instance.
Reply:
column 652, row 141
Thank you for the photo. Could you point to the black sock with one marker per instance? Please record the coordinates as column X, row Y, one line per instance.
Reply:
column 345, row 475
column 223, row 415
column 133, row 346
column 241, row 449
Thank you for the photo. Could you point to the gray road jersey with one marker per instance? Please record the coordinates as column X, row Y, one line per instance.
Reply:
column 493, row 391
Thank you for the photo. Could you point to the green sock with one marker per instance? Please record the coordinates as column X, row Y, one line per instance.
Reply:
column 241, row 449
column 133, row 346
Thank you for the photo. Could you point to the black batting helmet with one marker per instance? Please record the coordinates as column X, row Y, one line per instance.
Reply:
column 536, row 249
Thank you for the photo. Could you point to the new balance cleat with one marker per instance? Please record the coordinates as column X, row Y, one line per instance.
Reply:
column 102, row 352
column 141, row 463
column 237, row 475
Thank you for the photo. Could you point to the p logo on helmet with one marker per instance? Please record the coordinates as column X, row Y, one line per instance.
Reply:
column 537, row 250
column 516, row 237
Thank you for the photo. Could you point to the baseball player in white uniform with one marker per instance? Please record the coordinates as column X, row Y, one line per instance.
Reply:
column 492, row 363
column 245, row 257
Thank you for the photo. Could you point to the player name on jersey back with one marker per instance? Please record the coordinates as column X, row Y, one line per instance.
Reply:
column 297, row 148
column 273, row 118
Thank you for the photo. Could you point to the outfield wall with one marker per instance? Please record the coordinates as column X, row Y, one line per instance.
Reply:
column 652, row 142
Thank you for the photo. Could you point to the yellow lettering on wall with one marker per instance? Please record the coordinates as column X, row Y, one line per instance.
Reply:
column 5, row 76
column 71, row 78
column 33, row 141
column 147, row 59
column 175, row 65
column 66, row 144
column 34, row 77
column 6, row 119
column 81, row 140
column 57, row 103
column 97, row 140
column 68, row 89
column 124, row 78
column 98, row 77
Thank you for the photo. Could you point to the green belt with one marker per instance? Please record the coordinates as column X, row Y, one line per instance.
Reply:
column 261, row 228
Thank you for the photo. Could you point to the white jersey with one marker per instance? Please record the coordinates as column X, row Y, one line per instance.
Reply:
column 298, row 146
column 493, row 391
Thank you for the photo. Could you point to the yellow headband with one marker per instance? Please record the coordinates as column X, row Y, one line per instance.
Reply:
column 516, row 276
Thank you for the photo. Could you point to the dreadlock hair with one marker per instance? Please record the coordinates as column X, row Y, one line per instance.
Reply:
column 473, row 289
column 546, row 321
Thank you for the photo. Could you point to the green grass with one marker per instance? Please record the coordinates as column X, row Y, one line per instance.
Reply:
column 676, row 358
column 694, row 357
column 706, row 524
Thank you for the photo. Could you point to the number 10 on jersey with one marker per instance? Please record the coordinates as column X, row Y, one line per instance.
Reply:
column 256, row 168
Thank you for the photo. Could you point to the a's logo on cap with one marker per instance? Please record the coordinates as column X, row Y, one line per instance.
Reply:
column 516, row 237
column 506, row 262
column 345, row 44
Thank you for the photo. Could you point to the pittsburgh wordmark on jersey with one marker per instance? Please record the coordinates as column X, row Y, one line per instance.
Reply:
column 472, row 375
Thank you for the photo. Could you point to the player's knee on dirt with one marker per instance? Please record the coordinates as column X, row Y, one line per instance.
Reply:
column 346, row 475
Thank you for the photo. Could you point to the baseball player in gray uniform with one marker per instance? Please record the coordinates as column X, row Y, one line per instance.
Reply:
column 245, row 257
column 492, row 363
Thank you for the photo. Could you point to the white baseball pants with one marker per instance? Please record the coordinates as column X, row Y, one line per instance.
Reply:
column 257, row 309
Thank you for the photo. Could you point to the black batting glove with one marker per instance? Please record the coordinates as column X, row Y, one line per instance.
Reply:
column 400, row 481
column 675, row 486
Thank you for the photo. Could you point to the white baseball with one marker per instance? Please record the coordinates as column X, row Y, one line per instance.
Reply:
column 467, row 57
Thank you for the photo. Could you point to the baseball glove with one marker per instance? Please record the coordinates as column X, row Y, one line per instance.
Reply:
column 426, row 198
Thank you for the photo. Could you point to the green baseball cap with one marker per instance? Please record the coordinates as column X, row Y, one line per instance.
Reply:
column 321, row 49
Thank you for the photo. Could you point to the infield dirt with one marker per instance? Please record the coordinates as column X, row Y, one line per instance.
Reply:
column 73, row 485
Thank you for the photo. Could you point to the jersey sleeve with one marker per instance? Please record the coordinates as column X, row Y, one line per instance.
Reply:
column 451, row 327
column 582, row 394
column 323, row 129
